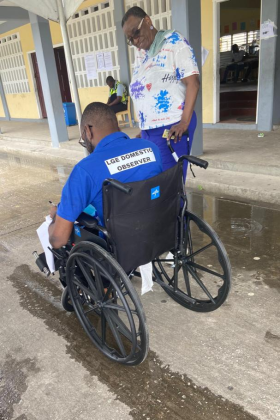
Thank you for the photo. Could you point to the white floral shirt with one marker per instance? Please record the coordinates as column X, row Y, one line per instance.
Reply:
column 156, row 87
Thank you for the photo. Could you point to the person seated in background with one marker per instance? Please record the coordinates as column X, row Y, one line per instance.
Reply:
column 117, row 96
column 112, row 155
column 252, row 62
column 238, row 64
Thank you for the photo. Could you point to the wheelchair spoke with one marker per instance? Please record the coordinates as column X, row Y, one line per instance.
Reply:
column 85, row 290
column 200, row 267
column 194, row 254
column 87, row 275
column 115, row 332
column 98, row 281
column 122, row 328
column 92, row 308
column 187, row 280
column 201, row 284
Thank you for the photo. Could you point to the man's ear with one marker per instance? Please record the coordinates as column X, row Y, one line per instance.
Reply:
column 88, row 132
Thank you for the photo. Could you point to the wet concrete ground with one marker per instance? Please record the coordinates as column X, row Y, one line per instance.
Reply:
column 222, row 365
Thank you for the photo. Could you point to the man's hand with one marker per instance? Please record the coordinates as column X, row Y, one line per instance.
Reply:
column 138, row 136
column 59, row 232
column 53, row 211
column 177, row 130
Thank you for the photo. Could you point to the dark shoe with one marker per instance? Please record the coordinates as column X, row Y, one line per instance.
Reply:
column 244, row 80
column 223, row 82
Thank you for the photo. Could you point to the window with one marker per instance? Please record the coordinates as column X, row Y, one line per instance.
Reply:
column 12, row 66
column 225, row 43
column 242, row 39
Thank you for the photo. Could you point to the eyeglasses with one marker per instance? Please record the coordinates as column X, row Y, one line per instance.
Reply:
column 81, row 141
column 130, row 41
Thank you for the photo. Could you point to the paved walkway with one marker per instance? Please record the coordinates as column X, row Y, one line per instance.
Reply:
column 240, row 163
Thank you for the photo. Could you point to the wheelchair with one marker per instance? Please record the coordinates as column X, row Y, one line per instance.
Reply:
column 145, row 221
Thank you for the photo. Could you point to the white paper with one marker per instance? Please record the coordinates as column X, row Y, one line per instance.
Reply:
column 43, row 234
column 108, row 60
column 204, row 55
column 268, row 30
column 90, row 66
column 100, row 61
column 146, row 272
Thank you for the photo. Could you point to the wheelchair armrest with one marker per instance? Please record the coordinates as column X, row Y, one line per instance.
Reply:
column 87, row 221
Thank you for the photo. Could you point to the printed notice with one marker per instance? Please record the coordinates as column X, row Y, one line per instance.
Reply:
column 90, row 66
column 108, row 60
column 268, row 30
column 204, row 55
column 130, row 160
column 100, row 61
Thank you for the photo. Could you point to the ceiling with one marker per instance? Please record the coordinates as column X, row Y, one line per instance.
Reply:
column 14, row 14
column 241, row 4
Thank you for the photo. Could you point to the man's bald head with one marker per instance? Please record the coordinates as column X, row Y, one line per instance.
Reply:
column 100, row 117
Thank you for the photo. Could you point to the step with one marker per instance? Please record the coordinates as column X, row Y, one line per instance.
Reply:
column 238, row 104
column 246, row 186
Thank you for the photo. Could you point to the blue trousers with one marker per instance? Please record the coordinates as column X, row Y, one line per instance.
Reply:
column 182, row 147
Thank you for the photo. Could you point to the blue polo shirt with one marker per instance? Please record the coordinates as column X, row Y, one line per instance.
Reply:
column 116, row 156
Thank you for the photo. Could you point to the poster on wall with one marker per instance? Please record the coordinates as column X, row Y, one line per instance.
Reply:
column 100, row 61
column 234, row 26
column 90, row 66
column 243, row 26
column 226, row 29
column 108, row 60
column 268, row 30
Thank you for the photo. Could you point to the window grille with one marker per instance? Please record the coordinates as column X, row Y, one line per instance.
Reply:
column 242, row 39
column 12, row 66
column 93, row 30
column 225, row 43
column 160, row 13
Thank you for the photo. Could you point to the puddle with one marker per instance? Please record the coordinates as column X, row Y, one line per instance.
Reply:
column 151, row 390
column 13, row 383
column 250, row 233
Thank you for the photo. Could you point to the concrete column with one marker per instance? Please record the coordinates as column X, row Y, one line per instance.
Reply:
column 186, row 18
column 121, row 43
column 276, row 106
column 125, row 78
column 4, row 102
column 267, row 69
column 48, row 73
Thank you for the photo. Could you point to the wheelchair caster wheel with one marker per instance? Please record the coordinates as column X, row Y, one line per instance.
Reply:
column 66, row 301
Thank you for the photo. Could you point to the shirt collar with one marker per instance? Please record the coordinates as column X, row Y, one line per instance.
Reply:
column 110, row 139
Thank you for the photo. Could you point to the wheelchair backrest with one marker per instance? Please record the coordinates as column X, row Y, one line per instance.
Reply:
column 143, row 224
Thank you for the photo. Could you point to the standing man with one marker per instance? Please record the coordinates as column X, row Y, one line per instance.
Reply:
column 117, row 96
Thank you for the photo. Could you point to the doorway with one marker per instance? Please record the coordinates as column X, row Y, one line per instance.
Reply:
column 238, row 60
column 62, row 74
column 38, row 84
column 62, row 78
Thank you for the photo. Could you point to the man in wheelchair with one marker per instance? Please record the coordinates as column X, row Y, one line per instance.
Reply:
column 112, row 154
column 141, row 218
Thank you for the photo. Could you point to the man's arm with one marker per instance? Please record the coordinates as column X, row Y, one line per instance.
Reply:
column 59, row 231
column 116, row 101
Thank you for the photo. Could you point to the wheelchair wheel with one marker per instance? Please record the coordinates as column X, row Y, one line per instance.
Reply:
column 198, row 277
column 108, row 308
